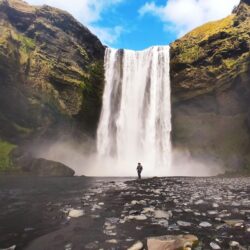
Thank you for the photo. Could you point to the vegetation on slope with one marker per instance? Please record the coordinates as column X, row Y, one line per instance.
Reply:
column 5, row 159
column 207, row 57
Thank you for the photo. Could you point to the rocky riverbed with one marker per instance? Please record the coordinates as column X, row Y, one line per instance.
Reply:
column 93, row 213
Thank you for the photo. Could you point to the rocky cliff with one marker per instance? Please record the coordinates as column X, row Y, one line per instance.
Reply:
column 51, row 72
column 210, row 77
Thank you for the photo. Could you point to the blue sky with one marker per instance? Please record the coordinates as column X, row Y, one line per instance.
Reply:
column 138, row 24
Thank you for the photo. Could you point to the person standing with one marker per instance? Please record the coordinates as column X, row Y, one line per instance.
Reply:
column 139, row 170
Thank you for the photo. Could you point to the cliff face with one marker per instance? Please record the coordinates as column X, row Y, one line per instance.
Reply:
column 51, row 69
column 51, row 75
column 210, row 77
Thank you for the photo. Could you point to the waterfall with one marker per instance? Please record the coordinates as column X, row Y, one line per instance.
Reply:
column 135, row 122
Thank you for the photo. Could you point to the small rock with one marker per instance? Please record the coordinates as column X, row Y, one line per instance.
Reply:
column 184, row 223
column 234, row 223
column 214, row 246
column 137, row 246
column 197, row 214
column 205, row 224
column 172, row 242
column 234, row 244
column 215, row 205
column 235, row 204
column 160, row 214
column 75, row 213
column 199, row 202
column 148, row 210
column 129, row 239
column 112, row 241
column 95, row 206
column 137, row 217
column 134, row 202
column 68, row 246
column 212, row 212
column 157, row 191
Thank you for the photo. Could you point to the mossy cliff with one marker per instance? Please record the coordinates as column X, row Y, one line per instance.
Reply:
column 210, row 77
column 51, row 72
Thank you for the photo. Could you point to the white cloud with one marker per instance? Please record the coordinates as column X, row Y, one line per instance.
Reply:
column 87, row 12
column 107, row 35
column 184, row 15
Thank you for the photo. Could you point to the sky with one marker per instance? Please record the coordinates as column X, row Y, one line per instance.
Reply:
column 139, row 24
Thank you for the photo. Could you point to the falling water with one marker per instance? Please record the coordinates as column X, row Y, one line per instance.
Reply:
column 135, row 123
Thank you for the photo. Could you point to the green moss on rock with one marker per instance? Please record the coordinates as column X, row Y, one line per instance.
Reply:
column 5, row 160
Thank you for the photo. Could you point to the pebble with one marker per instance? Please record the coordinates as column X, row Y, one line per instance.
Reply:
column 137, row 246
column 68, row 246
column 184, row 223
column 159, row 214
column 205, row 224
column 137, row 217
column 199, row 202
column 112, row 241
column 134, row 202
column 147, row 210
column 215, row 205
column 212, row 212
column 214, row 246
column 234, row 223
column 234, row 244
column 172, row 242
column 75, row 213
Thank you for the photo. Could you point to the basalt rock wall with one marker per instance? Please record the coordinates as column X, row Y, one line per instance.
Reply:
column 210, row 77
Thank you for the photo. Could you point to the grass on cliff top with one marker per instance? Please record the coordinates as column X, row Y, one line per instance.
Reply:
column 189, row 47
column 5, row 150
column 209, row 29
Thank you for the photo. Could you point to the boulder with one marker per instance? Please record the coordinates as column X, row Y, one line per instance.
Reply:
column 171, row 242
column 43, row 167
column 23, row 159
